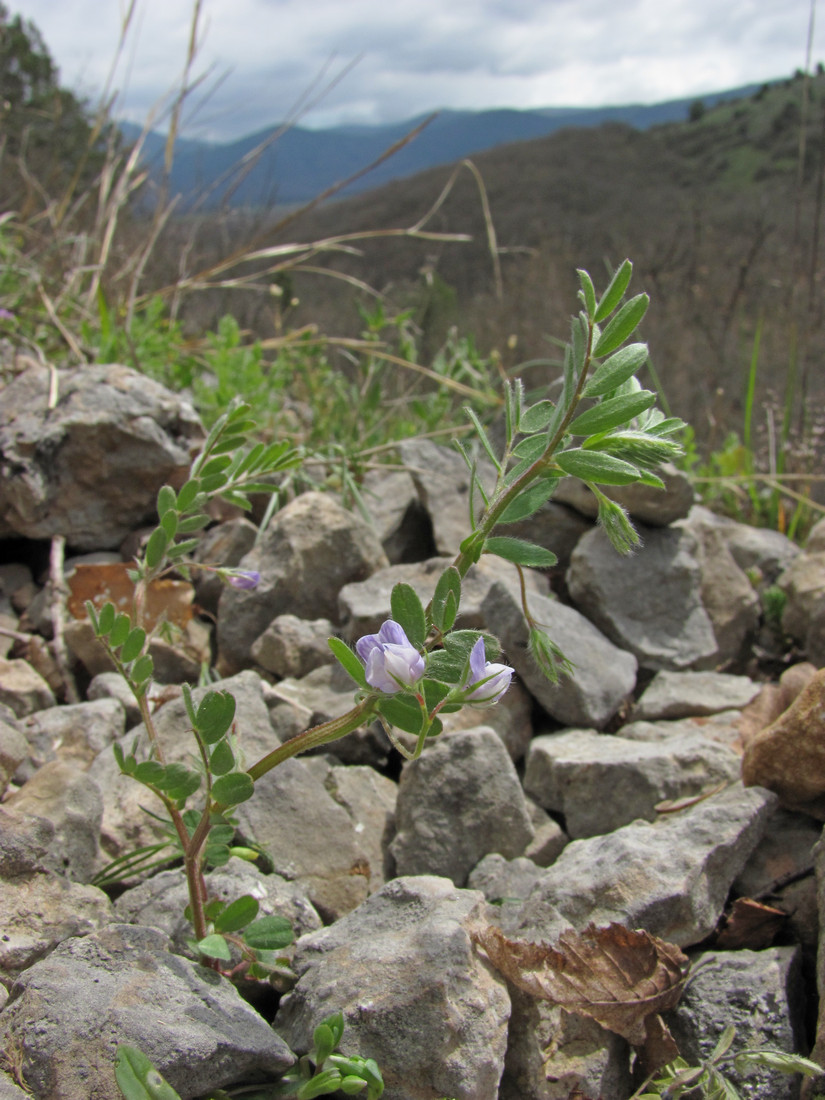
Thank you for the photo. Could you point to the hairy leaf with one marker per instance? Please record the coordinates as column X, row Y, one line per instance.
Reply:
column 138, row 1079
column 520, row 552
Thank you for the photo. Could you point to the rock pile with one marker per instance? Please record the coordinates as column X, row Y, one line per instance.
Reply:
column 615, row 795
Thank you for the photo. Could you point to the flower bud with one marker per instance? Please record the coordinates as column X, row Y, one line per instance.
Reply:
column 491, row 680
column 243, row 578
column 391, row 660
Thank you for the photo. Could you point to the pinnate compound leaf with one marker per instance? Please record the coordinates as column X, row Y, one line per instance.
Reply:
column 120, row 631
column 537, row 417
column 612, row 412
column 530, row 500
column 138, row 1079
column 446, row 598
column 231, row 789
column 106, row 618
column 237, row 915
column 348, row 660
column 613, row 975
column 272, row 933
column 616, row 370
column 604, row 469
column 408, row 612
column 588, row 292
column 520, row 552
column 622, row 325
column 615, row 291
column 222, row 759
column 402, row 711
column 133, row 646
column 142, row 669
column 778, row 1060
column 156, row 548
column 216, row 947
column 214, row 715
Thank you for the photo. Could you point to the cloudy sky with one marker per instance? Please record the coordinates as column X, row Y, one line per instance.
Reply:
column 378, row 61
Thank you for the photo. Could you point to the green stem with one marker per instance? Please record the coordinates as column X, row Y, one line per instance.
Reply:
column 317, row 735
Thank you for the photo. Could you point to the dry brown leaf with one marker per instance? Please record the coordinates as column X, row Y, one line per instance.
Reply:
column 615, row 976
column 109, row 581
column 750, row 924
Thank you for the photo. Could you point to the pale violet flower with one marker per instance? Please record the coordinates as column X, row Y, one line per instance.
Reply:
column 391, row 660
column 492, row 680
column 244, row 578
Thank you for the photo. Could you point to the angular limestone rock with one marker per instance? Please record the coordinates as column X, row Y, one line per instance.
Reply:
column 460, row 800
column 415, row 994
column 90, row 467
column 122, row 985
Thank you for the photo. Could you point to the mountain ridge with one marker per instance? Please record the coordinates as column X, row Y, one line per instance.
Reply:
column 302, row 163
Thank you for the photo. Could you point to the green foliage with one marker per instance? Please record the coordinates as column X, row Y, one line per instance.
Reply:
column 138, row 1079
column 325, row 1070
column 709, row 1079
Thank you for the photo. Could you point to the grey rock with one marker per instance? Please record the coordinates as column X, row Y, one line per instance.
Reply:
column 22, row 689
column 65, row 795
column 553, row 1055
column 762, row 553
column 601, row 783
column 500, row 879
column 762, row 994
column 399, row 517
column 294, row 647
column 671, row 878
column 226, row 544
column 722, row 728
column 77, row 731
column 38, row 908
column 415, row 994
column 803, row 617
column 549, row 838
column 645, row 503
column 728, row 597
column 89, row 468
column 9, row 1090
column 602, row 676
column 309, row 837
column 369, row 799
column 310, row 550
column 442, row 481
column 13, row 751
column 460, row 800
column 121, row 985
column 648, row 603
column 159, row 901
column 688, row 694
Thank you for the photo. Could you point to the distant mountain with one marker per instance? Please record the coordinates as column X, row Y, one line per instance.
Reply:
column 302, row 163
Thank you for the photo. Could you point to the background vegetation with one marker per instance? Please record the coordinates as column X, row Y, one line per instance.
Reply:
column 353, row 323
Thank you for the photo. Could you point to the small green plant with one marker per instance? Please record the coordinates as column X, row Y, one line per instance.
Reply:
column 709, row 1079
column 325, row 1070
column 417, row 667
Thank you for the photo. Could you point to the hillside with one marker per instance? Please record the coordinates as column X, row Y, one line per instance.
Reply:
column 302, row 163
column 709, row 211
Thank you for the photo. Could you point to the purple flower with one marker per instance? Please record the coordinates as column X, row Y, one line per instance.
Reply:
column 392, row 662
column 6, row 314
column 244, row 578
column 492, row 680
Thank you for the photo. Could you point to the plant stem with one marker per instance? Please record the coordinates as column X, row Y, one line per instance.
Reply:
column 317, row 735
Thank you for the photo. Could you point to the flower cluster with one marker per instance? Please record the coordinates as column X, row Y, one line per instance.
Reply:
column 393, row 664
column 391, row 660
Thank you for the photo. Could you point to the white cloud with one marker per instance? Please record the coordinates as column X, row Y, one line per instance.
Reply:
column 419, row 56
